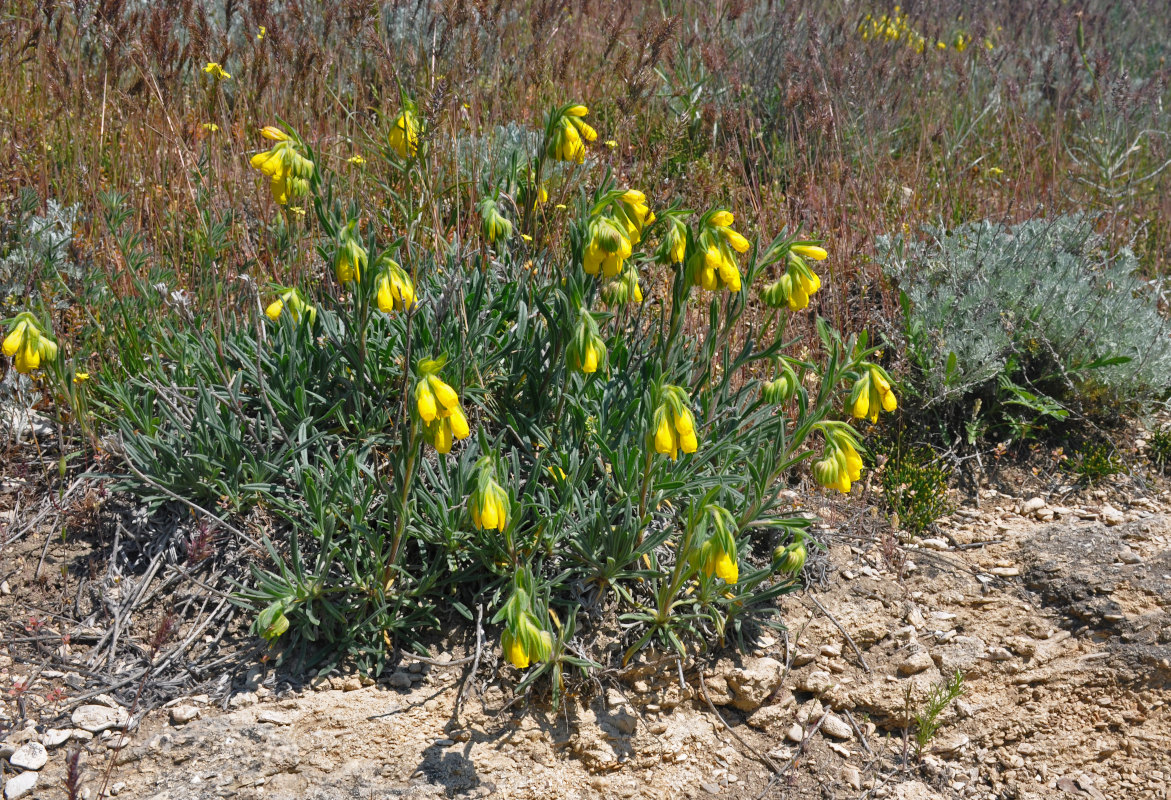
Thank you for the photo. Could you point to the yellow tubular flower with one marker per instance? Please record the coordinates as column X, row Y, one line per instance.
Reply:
column 665, row 441
column 426, row 402
column 674, row 424
column 853, row 462
column 458, row 423
column 590, row 362
column 860, row 398
column 592, row 258
column 16, row 337
column 722, row 219
column 882, row 385
column 730, row 275
column 274, row 309
column 269, row 162
column 488, row 502
column 27, row 359
column 404, row 134
column 844, row 481
column 27, row 344
column 584, row 128
column 577, row 111
column 727, row 568
column 736, row 240
column 812, row 252
column 514, row 651
column 289, row 170
column 446, row 396
column 351, row 257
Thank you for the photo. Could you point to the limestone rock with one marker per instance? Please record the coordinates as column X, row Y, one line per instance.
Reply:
column 961, row 653
column 32, row 755
column 836, row 727
column 273, row 717
column 753, row 684
column 916, row 663
column 55, row 737
column 96, row 719
column 20, row 785
column 815, row 682
column 181, row 715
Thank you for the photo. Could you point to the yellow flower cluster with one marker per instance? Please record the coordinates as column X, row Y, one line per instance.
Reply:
column 673, row 246
column 615, row 228
column 567, row 132
column 791, row 558
column 717, row 556
column 293, row 300
column 525, row 642
column 674, row 424
column 395, row 289
column 782, row 388
column 623, row 289
column 587, row 350
column 489, row 502
column 871, row 392
column 608, row 247
column 404, row 134
column 799, row 283
column 839, row 465
column 351, row 257
column 27, row 344
column 712, row 265
column 438, row 407
column 494, row 225
column 892, row 28
column 288, row 168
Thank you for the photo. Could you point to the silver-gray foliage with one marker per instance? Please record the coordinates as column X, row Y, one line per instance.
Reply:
column 40, row 243
column 987, row 299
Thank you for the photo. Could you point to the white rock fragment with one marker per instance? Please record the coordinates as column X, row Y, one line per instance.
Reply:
column 96, row 719
column 181, row 715
column 836, row 727
column 916, row 663
column 55, row 737
column 32, row 755
column 20, row 785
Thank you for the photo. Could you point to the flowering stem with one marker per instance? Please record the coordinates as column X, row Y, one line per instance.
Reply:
column 646, row 484
column 400, row 528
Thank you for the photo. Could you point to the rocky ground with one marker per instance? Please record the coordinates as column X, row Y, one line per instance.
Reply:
column 1058, row 618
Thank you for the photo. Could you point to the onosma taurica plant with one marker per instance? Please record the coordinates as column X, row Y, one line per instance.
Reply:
column 484, row 402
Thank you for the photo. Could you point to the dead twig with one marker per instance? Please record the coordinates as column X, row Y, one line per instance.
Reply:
column 838, row 625
column 471, row 676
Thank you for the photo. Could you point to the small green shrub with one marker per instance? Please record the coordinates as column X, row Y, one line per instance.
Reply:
column 927, row 721
column 1159, row 448
column 1032, row 321
column 914, row 485
column 1093, row 462
column 502, row 421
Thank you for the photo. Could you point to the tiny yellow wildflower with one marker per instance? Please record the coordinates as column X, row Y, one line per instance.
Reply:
column 217, row 71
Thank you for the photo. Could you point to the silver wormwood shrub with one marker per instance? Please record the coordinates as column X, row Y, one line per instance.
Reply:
column 1045, row 296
